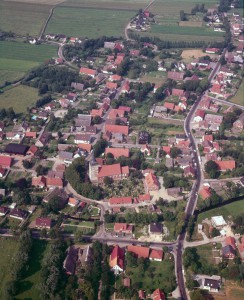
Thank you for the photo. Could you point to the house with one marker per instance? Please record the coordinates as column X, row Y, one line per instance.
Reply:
column 156, row 228
column 116, row 259
column 212, row 50
column 43, row 223
column 215, row 119
column 229, row 249
column 19, row 214
column 174, row 191
column 169, row 105
column 199, row 115
column 54, row 182
column 139, row 251
column 169, row 163
column 85, row 147
column 65, row 156
column 96, row 113
column 114, row 171
column 5, row 161
column 64, row 103
column 39, row 182
column 225, row 165
column 69, row 264
column 31, row 134
column 126, row 282
column 111, row 85
column 218, row 221
column 55, row 174
column 77, row 86
column 145, row 149
column 143, row 137
column 32, row 150
column 3, row 210
column 89, row 72
column 141, row 294
column 59, row 194
column 73, row 202
column 117, row 129
column 43, row 139
column 239, row 123
column 126, row 109
column 189, row 172
column 212, row 285
column 156, row 255
column 82, row 139
column 120, row 200
column 158, row 295
column 115, row 77
column 118, row 152
column 151, row 182
column 125, row 87
column 123, row 228
column 177, row 76
column 205, row 192
column 17, row 149
column 240, row 247
column 144, row 198
column 83, row 120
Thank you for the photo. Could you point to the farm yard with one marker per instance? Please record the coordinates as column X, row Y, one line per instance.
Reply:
column 17, row 58
column 89, row 22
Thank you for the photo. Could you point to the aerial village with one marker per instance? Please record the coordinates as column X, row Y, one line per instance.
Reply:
column 111, row 159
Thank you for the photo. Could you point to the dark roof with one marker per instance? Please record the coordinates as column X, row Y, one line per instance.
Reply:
column 13, row 148
column 43, row 222
column 212, row 283
column 70, row 260
column 19, row 213
column 156, row 227
column 228, row 249
column 60, row 193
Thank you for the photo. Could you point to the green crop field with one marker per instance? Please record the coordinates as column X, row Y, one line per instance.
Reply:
column 29, row 284
column 8, row 247
column 86, row 22
column 232, row 210
column 17, row 58
column 19, row 97
column 22, row 17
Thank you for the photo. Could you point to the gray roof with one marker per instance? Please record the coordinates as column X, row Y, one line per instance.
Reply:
column 83, row 120
column 65, row 155
column 156, row 227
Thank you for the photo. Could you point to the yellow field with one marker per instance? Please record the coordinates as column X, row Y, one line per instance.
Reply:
column 188, row 55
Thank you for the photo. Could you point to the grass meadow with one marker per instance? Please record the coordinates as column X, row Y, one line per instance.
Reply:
column 17, row 58
column 8, row 247
column 89, row 22
column 239, row 96
column 19, row 97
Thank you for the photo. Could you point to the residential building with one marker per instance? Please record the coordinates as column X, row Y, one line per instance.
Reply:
column 123, row 228
column 239, row 123
column 156, row 255
column 212, row 285
column 19, row 214
column 69, row 264
column 5, row 161
column 120, row 200
column 158, row 295
column 89, row 72
column 116, row 259
column 151, row 182
column 139, row 251
column 115, row 171
column 118, row 152
column 43, row 223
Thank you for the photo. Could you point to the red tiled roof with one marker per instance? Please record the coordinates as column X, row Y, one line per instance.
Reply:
column 117, row 129
column 39, row 181
column 125, row 108
column 109, row 170
column 158, row 295
column 151, row 181
column 200, row 113
column 169, row 105
column 111, row 85
column 208, row 137
column 88, row 71
column 156, row 254
column 225, row 165
column 85, row 147
column 5, row 161
column 114, row 113
column 33, row 149
column 144, row 198
column 229, row 240
column 139, row 251
column 31, row 134
column 205, row 193
column 122, row 227
column 54, row 182
column 178, row 92
column 166, row 149
column 117, row 257
column 115, row 77
column 118, row 152
column 120, row 200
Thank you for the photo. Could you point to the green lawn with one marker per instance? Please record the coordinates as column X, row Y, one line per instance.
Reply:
column 23, row 18
column 16, row 58
column 239, row 96
column 86, row 22
column 8, row 248
column 29, row 284
column 157, row 275
column 19, row 97
column 233, row 209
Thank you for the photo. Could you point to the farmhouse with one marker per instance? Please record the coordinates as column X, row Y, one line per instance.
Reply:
column 156, row 255
column 120, row 200
column 123, row 228
column 69, row 264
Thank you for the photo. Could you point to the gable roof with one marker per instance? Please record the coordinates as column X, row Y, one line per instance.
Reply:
column 158, row 295
column 117, row 257
column 139, row 251
column 224, row 165
column 5, row 161
column 117, row 129
column 120, row 200
column 118, row 152
column 156, row 254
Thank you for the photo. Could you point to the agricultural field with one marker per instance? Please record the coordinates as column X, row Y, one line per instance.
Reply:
column 19, row 98
column 189, row 54
column 29, row 284
column 8, row 248
column 89, row 22
column 239, row 98
column 232, row 210
column 232, row 292
column 23, row 17
column 17, row 58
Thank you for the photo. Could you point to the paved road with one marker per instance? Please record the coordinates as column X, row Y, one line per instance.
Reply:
column 191, row 204
column 227, row 102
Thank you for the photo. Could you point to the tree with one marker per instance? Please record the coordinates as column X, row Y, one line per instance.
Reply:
column 211, row 168
column 97, row 120
column 174, row 152
column 215, row 232
column 27, row 164
column 197, row 295
column 107, row 180
column 99, row 147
